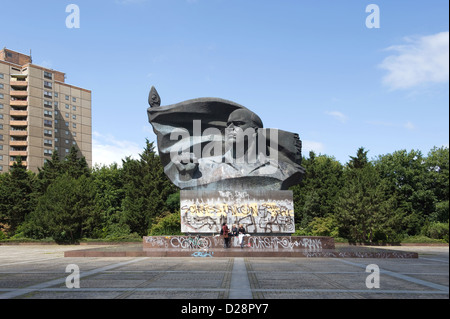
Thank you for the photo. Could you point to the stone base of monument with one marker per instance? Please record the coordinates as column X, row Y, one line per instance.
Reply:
column 254, row 246
column 248, row 242
column 248, row 246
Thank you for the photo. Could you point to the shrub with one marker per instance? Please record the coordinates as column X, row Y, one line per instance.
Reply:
column 324, row 226
column 437, row 230
column 167, row 224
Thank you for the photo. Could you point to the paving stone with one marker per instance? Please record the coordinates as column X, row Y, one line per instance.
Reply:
column 39, row 271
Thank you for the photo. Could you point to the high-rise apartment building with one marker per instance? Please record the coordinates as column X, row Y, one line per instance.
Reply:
column 40, row 113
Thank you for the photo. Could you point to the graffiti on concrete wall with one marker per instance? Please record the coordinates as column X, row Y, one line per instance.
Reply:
column 259, row 212
column 259, row 242
column 310, row 244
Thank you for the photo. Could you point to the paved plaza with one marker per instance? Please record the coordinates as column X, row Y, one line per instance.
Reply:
column 42, row 271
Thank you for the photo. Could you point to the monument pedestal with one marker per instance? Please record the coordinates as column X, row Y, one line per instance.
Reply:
column 253, row 246
column 275, row 243
column 256, row 246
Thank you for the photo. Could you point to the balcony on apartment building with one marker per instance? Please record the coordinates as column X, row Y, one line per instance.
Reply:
column 19, row 123
column 18, row 153
column 18, row 131
column 19, row 93
column 18, row 143
column 18, row 113
column 18, row 84
column 19, row 77
column 18, row 102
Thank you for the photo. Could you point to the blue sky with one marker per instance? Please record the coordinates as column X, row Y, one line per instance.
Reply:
column 311, row 67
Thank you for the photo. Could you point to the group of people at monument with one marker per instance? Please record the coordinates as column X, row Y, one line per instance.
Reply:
column 234, row 232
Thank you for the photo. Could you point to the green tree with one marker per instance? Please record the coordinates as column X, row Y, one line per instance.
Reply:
column 146, row 189
column 408, row 183
column 109, row 194
column 74, row 164
column 363, row 211
column 50, row 171
column 360, row 160
column 316, row 195
column 65, row 212
column 17, row 196
column 437, row 167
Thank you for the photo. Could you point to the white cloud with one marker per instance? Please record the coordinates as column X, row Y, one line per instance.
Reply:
column 421, row 60
column 107, row 149
column 407, row 125
column 316, row 147
column 338, row 115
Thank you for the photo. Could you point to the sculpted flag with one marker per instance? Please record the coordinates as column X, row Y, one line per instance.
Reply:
column 194, row 145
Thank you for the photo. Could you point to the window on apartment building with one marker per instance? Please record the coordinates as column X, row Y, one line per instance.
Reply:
column 48, row 133
column 56, row 94
column 74, row 117
column 2, row 76
column 1, row 86
column 74, row 125
column 1, row 116
column 48, row 85
column 1, row 96
column 1, row 147
column 1, row 106
column 48, row 75
column 67, row 97
column 67, row 106
column 48, row 113
column 67, row 123
column 48, row 142
column 74, row 99
column 74, row 108
column 47, row 103
column 1, row 168
column 47, row 123
column 47, row 152
column 1, row 126
column 1, row 137
column 56, row 105
column 67, row 115
column 48, row 94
